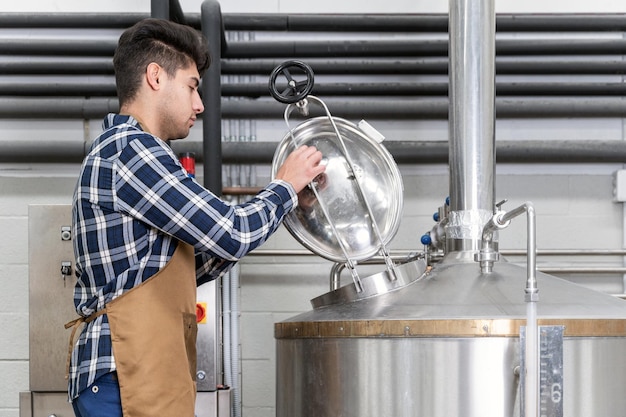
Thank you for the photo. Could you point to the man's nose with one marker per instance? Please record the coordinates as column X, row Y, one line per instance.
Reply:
column 198, row 106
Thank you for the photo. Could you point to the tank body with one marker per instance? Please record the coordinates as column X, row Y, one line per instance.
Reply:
column 448, row 345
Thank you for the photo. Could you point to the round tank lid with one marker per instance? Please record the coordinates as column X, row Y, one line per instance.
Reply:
column 457, row 300
column 361, row 191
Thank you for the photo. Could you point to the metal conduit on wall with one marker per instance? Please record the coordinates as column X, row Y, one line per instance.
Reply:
column 14, row 49
column 330, row 48
column 600, row 22
column 422, row 23
column 344, row 23
column 547, row 65
column 435, row 66
column 87, row 98
column 423, row 109
column 403, row 152
column 86, row 86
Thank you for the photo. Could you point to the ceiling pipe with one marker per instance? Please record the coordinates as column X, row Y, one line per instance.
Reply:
column 55, row 65
column 66, row 65
column 104, row 46
column 70, row 20
column 404, row 152
column 328, row 22
column 57, row 108
column 328, row 48
column 105, row 86
column 432, row 65
column 380, row 109
column 55, row 86
column 437, row 108
column 410, row 152
column 421, row 47
column 403, row 89
column 421, row 22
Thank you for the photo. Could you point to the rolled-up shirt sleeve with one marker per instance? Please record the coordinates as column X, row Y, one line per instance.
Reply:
column 152, row 187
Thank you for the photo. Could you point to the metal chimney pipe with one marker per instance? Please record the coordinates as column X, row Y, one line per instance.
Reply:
column 471, row 122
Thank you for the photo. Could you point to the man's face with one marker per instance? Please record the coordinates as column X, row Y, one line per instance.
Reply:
column 180, row 103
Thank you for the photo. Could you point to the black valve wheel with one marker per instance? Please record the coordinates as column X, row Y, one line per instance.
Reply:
column 295, row 84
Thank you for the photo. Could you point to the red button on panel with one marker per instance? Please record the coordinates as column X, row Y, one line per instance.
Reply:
column 201, row 312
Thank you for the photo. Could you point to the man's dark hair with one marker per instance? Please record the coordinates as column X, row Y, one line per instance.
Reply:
column 171, row 45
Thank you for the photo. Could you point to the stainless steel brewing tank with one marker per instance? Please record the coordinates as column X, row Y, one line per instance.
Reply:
column 447, row 344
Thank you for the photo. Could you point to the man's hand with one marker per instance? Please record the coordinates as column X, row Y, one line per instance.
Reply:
column 301, row 167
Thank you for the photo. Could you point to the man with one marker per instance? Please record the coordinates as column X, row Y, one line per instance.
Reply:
column 145, row 233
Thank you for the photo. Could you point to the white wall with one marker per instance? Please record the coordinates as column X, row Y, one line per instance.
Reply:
column 320, row 6
column 574, row 203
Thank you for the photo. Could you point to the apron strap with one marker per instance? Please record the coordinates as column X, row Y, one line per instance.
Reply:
column 74, row 325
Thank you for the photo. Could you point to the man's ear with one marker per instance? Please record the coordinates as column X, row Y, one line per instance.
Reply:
column 154, row 73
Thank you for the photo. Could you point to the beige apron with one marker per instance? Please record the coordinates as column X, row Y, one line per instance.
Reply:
column 153, row 331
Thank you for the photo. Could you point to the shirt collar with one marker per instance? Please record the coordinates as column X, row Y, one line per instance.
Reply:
column 114, row 119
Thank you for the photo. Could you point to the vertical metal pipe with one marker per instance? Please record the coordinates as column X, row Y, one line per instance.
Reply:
column 624, row 245
column 160, row 9
column 471, row 122
column 176, row 12
column 212, row 27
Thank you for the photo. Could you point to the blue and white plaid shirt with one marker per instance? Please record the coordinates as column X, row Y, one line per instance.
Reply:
column 132, row 203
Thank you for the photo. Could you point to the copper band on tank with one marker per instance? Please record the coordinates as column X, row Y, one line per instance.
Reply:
column 444, row 328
